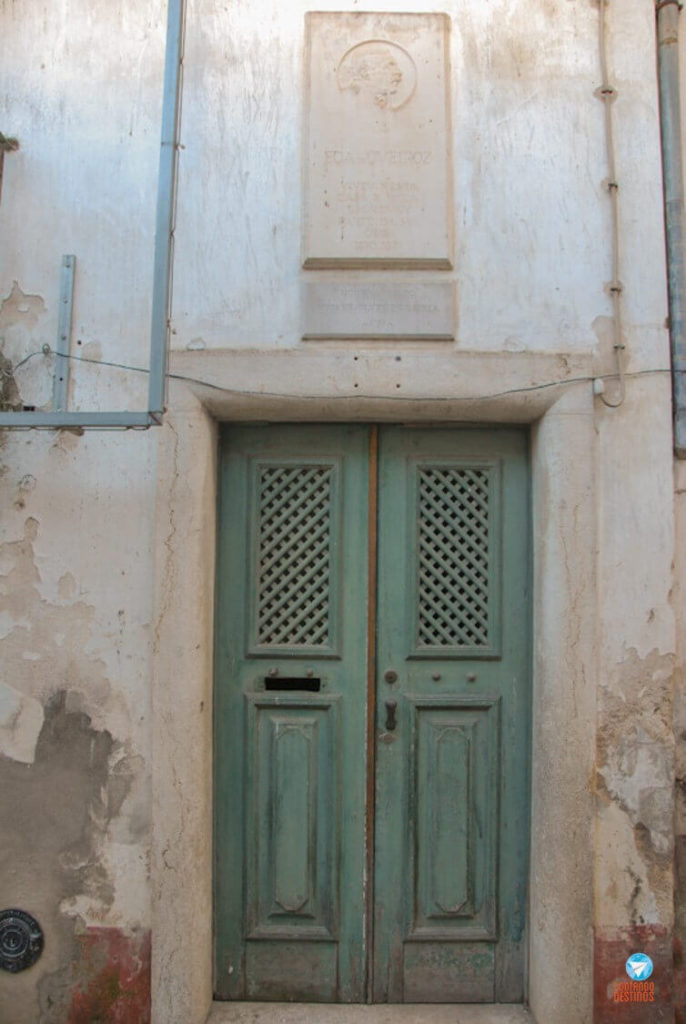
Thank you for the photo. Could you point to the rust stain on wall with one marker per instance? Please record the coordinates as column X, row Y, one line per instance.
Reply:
column 117, row 967
column 611, row 949
column 680, row 849
column 679, row 977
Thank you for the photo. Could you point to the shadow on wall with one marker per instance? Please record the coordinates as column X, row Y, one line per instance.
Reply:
column 55, row 812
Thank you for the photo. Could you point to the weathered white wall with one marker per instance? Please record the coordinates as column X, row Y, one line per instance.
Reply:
column 531, row 214
column 83, row 596
column 82, row 94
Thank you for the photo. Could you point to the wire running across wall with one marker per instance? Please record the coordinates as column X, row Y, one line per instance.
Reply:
column 443, row 399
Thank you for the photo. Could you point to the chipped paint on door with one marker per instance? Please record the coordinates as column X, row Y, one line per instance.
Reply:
column 452, row 761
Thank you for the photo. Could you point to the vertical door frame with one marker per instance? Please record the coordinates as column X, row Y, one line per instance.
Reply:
column 564, row 497
column 373, row 511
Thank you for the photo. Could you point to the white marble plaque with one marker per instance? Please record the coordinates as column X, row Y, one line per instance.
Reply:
column 378, row 310
column 377, row 141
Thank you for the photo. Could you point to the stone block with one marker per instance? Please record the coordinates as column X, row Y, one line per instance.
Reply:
column 380, row 309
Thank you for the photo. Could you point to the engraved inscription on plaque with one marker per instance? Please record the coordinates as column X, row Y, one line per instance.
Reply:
column 336, row 310
column 377, row 141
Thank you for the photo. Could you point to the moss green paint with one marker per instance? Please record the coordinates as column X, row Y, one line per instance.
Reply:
column 451, row 834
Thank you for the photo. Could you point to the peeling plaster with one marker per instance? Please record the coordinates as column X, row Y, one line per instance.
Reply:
column 21, row 720
column 35, row 626
column 634, row 784
column 20, row 309
column 10, row 399
column 59, row 815
column 27, row 484
column 22, row 320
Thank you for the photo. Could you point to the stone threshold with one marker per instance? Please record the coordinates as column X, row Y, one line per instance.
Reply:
column 339, row 1013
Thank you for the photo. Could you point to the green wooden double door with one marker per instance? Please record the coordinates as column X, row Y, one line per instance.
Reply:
column 372, row 714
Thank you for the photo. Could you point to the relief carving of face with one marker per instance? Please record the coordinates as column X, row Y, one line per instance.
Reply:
column 381, row 71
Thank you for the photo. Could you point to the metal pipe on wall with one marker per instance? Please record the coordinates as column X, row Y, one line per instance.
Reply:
column 673, row 183
column 166, row 208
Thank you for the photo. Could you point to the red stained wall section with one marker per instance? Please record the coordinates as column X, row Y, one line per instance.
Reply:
column 115, row 971
column 679, row 982
column 611, row 949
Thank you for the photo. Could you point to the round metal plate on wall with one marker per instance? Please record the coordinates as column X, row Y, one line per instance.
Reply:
column 21, row 940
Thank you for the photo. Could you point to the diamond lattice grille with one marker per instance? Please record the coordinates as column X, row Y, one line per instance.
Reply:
column 294, row 555
column 453, row 557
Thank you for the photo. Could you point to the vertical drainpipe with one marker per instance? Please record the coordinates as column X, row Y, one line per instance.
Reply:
column 166, row 208
column 672, row 172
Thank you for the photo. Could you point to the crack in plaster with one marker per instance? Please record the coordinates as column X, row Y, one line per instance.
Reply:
column 635, row 777
column 169, row 570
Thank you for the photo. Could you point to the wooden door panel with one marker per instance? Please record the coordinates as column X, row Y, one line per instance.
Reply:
column 290, row 712
column 292, row 820
column 433, row 972
column 454, row 817
column 453, row 656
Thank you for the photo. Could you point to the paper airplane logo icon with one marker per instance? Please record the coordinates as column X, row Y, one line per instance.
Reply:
column 639, row 966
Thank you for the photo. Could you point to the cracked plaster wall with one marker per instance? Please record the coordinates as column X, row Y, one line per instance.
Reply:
column 679, row 600
column 75, row 566
column 82, row 83
column 634, row 771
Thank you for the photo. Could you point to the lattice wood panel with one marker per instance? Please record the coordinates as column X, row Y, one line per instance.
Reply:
column 454, row 557
column 294, row 556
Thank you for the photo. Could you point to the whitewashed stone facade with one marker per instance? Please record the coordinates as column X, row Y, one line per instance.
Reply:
column 107, row 550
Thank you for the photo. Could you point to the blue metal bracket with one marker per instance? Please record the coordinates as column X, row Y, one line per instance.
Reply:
column 161, row 290
column 60, row 388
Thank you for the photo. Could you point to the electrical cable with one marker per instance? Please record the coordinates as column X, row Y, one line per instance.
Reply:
column 250, row 393
column 607, row 93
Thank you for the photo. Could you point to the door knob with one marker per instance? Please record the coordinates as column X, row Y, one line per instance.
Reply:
column 390, row 675
column 391, row 705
